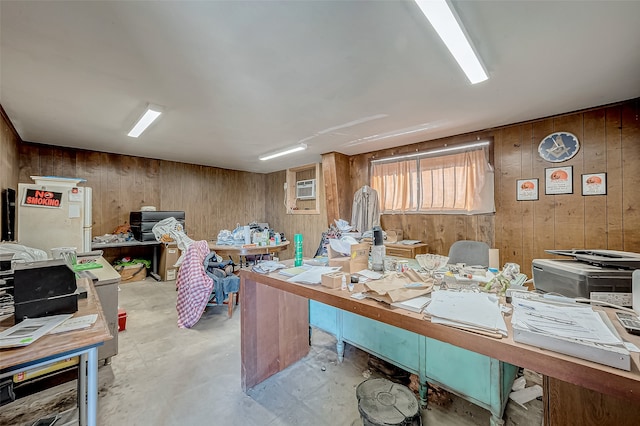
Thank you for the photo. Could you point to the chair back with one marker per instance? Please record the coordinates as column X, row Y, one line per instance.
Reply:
column 469, row 252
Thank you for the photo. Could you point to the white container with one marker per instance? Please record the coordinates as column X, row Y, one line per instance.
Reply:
column 247, row 234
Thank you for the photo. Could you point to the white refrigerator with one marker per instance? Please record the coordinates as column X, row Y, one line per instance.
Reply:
column 54, row 212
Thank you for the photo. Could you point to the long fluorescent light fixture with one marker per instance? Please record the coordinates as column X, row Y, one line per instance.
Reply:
column 465, row 147
column 149, row 116
column 446, row 23
column 285, row 151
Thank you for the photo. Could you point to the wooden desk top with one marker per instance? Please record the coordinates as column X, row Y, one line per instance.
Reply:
column 53, row 344
column 598, row 377
column 247, row 251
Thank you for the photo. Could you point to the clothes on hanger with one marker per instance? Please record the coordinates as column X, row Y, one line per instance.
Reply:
column 365, row 213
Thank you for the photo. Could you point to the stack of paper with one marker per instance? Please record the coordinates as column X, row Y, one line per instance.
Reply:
column 472, row 311
column 572, row 330
column 417, row 304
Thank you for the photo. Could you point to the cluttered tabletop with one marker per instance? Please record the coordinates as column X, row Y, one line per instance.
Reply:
column 468, row 307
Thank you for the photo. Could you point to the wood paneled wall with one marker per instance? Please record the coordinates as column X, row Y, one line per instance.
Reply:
column 212, row 198
column 9, row 141
column 311, row 226
column 337, row 185
column 215, row 199
column 610, row 143
column 523, row 230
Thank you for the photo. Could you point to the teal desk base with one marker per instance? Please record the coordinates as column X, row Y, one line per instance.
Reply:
column 477, row 378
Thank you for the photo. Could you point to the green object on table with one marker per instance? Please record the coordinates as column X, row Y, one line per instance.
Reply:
column 86, row 266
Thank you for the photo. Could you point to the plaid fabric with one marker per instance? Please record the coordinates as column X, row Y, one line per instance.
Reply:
column 194, row 285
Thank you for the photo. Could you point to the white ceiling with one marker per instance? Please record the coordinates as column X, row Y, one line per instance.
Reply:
column 238, row 79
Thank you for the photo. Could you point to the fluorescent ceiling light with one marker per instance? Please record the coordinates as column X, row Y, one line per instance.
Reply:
column 466, row 146
column 285, row 151
column 149, row 116
column 446, row 23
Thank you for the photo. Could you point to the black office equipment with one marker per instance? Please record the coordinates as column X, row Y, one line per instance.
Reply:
column 44, row 288
column 142, row 222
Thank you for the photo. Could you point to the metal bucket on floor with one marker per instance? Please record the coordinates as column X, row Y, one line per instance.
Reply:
column 384, row 403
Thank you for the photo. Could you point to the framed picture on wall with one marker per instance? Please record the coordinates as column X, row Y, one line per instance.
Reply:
column 527, row 189
column 558, row 180
column 594, row 184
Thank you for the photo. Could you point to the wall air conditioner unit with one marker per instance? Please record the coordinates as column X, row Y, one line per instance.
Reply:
column 306, row 189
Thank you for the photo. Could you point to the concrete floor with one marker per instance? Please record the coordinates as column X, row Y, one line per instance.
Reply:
column 164, row 375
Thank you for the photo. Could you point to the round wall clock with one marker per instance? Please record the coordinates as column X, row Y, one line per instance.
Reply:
column 559, row 147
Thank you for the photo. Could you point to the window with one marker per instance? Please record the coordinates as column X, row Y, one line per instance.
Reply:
column 301, row 190
column 456, row 183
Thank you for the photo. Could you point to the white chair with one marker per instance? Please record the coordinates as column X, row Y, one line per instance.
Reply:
column 471, row 253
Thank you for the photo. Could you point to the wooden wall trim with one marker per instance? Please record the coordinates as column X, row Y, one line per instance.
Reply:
column 336, row 171
column 5, row 117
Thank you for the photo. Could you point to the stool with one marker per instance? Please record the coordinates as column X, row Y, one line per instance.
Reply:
column 384, row 403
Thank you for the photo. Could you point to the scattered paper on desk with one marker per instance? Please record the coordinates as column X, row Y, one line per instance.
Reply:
column 30, row 330
column 409, row 242
column 267, row 267
column 576, row 322
column 292, row 272
column 479, row 310
column 417, row 304
column 631, row 347
column 341, row 246
column 76, row 323
column 370, row 274
column 313, row 275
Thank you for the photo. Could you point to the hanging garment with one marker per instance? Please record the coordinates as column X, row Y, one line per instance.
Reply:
column 365, row 213
column 194, row 285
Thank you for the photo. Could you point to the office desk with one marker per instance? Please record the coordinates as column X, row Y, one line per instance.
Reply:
column 274, row 335
column 226, row 250
column 56, row 347
column 106, row 287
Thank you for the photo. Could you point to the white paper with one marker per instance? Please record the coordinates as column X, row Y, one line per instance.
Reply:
column 525, row 395
column 340, row 246
column 577, row 322
column 74, row 211
column 313, row 275
column 416, row 304
column 468, row 309
column 30, row 330
column 370, row 274
column 76, row 323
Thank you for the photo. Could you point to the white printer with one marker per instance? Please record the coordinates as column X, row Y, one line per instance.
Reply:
column 604, row 271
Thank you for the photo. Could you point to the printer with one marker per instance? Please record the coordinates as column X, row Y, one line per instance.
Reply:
column 44, row 288
column 588, row 271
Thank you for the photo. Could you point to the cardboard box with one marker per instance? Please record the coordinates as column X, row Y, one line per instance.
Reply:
column 334, row 279
column 357, row 261
column 131, row 273
column 169, row 255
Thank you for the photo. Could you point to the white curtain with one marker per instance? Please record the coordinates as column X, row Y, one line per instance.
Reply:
column 455, row 183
